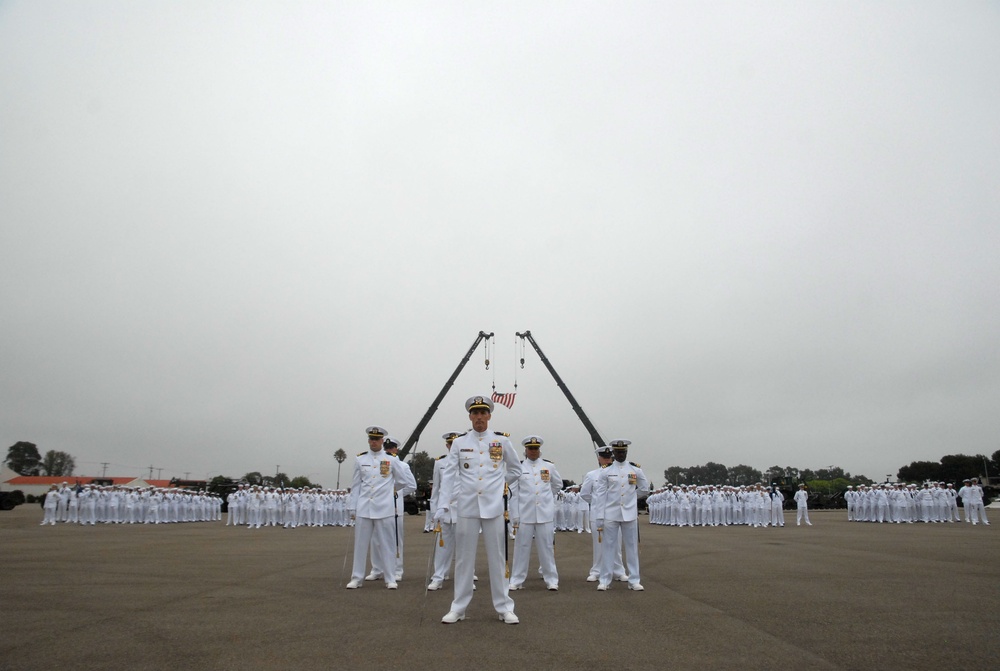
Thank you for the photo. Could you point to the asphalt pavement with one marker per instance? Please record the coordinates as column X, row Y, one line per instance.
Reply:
column 835, row 595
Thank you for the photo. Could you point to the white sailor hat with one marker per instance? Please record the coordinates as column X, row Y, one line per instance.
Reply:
column 620, row 444
column 376, row 432
column 532, row 442
column 603, row 450
column 391, row 442
column 477, row 402
column 450, row 436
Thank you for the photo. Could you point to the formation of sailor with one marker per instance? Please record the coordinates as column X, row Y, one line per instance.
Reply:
column 616, row 512
column 377, row 476
column 716, row 505
column 533, row 512
column 293, row 507
column 473, row 478
column 113, row 504
column 933, row 502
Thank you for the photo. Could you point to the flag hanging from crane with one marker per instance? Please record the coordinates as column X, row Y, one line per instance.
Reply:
column 504, row 399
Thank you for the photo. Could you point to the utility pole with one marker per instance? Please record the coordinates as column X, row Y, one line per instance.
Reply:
column 104, row 468
column 159, row 473
column 186, row 474
column 151, row 472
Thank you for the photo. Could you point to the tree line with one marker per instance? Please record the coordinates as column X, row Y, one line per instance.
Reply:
column 951, row 468
column 23, row 458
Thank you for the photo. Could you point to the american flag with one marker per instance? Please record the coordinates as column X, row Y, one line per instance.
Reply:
column 504, row 399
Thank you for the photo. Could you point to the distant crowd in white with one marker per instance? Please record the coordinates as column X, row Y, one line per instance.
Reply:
column 716, row 505
column 95, row 504
column 932, row 503
column 256, row 506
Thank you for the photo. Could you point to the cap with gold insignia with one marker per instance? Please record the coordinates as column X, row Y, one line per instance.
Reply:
column 603, row 450
column 376, row 432
column 451, row 435
column 532, row 442
column 620, row 444
column 390, row 442
column 477, row 402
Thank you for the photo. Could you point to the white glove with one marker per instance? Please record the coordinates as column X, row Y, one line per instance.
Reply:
column 440, row 515
column 517, row 522
column 600, row 523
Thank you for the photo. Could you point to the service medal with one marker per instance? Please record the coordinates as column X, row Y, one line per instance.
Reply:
column 496, row 451
column 383, row 468
column 631, row 479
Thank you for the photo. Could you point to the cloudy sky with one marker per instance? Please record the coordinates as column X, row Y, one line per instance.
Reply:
column 233, row 234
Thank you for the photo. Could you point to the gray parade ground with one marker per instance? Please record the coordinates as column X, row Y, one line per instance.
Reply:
column 837, row 595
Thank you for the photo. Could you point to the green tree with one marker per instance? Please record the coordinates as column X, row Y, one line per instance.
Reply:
column 709, row 474
column 422, row 466
column 744, row 475
column 253, row 478
column 676, row 475
column 300, row 482
column 58, row 463
column 23, row 458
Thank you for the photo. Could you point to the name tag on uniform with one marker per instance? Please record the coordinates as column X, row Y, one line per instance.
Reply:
column 496, row 451
column 631, row 479
column 545, row 475
column 383, row 468
column 467, row 449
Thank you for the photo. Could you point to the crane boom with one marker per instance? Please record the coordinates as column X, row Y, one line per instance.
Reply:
column 415, row 436
column 594, row 435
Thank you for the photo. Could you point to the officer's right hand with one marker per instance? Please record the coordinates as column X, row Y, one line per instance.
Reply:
column 600, row 524
column 440, row 514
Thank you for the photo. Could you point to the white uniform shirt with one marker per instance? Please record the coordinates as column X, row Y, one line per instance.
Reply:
column 617, row 488
column 377, row 475
column 534, row 493
column 474, row 473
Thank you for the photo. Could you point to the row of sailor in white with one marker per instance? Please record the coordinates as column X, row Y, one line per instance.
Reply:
column 311, row 506
column 473, row 476
column 616, row 511
column 716, row 505
column 114, row 504
column 907, row 503
column 532, row 510
column 376, row 478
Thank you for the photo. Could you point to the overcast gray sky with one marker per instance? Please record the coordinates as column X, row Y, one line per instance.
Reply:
column 233, row 234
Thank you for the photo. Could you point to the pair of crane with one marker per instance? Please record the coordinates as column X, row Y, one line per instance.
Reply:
column 483, row 336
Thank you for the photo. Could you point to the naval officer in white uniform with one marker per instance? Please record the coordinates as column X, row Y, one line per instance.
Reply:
column 533, row 514
column 473, row 476
column 376, row 478
column 617, row 514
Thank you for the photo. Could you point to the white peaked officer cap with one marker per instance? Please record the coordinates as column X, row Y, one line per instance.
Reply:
column 532, row 441
column 376, row 432
column 476, row 402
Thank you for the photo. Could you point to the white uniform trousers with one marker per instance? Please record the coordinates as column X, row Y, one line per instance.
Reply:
column 466, row 541
column 595, row 570
column 444, row 554
column 367, row 530
column 629, row 533
column 544, row 535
